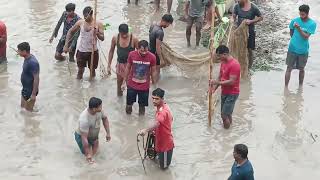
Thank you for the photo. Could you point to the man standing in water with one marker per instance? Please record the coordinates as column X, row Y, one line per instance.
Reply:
column 87, row 33
column 163, row 129
column 125, row 43
column 246, row 10
column 194, row 13
column 229, row 80
column 300, row 30
column 156, row 35
column 68, row 18
column 29, row 77
column 3, row 42
column 169, row 5
column 242, row 168
column 141, row 65
column 87, row 132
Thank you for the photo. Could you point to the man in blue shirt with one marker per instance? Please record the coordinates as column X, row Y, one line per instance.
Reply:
column 29, row 77
column 300, row 30
column 242, row 168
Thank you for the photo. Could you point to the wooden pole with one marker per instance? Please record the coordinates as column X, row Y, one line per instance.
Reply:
column 211, row 63
column 94, row 39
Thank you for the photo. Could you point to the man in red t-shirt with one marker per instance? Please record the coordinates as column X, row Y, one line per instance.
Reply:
column 141, row 64
column 163, row 132
column 3, row 42
column 229, row 80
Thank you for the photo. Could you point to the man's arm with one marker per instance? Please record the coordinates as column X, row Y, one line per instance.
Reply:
column 154, row 74
column 85, row 143
column 228, row 82
column 158, row 48
column 126, row 72
column 291, row 32
column 305, row 35
column 100, row 33
column 111, row 51
column 106, row 127
column 3, row 39
column 136, row 41
column 56, row 29
column 71, row 32
column 216, row 10
column 36, row 81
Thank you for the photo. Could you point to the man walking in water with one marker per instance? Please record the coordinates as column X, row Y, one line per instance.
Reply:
column 169, row 5
column 141, row 65
column 162, row 127
column 156, row 35
column 87, row 132
column 29, row 77
column 300, row 30
column 68, row 18
column 229, row 80
column 125, row 43
column 246, row 10
column 3, row 42
column 87, row 33
column 242, row 168
column 194, row 13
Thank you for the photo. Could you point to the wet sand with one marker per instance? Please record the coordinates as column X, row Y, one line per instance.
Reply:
column 276, row 124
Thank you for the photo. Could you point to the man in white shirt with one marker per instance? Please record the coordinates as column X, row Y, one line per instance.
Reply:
column 87, row 132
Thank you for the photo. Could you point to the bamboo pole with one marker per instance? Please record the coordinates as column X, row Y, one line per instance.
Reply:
column 94, row 39
column 211, row 63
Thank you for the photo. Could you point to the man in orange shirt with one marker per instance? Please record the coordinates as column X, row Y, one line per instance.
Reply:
column 3, row 42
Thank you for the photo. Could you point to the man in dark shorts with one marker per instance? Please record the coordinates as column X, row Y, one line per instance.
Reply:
column 229, row 80
column 125, row 43
column 141, row 65
column 156, row 35
column 194, row 14
column 301, row 29
column 241, row 168
column 68, row 18
column 246, row 10
column 86, row 44
column 88, row 128
column 3, row 42
column 162, row 127
column 29, row 77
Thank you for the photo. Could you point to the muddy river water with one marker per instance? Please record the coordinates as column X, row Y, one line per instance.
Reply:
column 275, row 123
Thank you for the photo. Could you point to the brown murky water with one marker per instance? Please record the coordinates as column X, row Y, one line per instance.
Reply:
column 275, row 123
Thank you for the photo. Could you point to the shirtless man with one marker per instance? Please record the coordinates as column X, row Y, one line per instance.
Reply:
column 125, row 43
column 87, row 33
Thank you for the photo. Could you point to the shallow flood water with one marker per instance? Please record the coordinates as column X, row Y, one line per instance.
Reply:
column 276, row 124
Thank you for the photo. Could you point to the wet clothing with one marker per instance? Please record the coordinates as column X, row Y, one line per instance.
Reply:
column 139, row 75
column 227, row 103
column 163, row 133
column 198, row 21
column 155, row 32
column 90, row 124
column 298, row 44
column 84, row 59
column 78, row 139
column 296, row 61
column 85, row 44
column 143, row 96
column 3, row 45
column 243, row 172
column 197, row 7
column 165, row 159
column 123, row 52
column 30, row 67
column 251, row 14
column 232, row 67
column 66, row 26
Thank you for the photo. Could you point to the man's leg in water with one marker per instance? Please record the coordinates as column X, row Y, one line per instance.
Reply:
column 169, row 5
column 208, row 17
column 95, row 147
column 59, row 49
column 143, row 101
column 157, row 4
column 131, row 98
column 199, row 22
column 188, row 29
column 250, row 58
column 227, row 106
column 119, row 83
column 291, row 62
column 58, row 56
column 301, row 76
column 23, row 102
column 301, row 64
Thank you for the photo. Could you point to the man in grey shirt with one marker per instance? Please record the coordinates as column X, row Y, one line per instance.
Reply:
column 194, row 12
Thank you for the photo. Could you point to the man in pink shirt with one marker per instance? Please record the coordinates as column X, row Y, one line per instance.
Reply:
column 163, row 129
column 141, row 65
column 3, row 42
column 229, row 80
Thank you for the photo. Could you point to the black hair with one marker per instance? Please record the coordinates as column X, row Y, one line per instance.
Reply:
column 158, row 92
column 143, row 43
column 70, row 7
column 123, row 28
column 94, row 102
column 242, row 150
column 304, row 8
column 87, row 11
column 167, row 18
column 24, row 46
column 222, row 49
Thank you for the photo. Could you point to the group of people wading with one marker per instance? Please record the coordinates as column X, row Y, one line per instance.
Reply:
column 138, row 64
